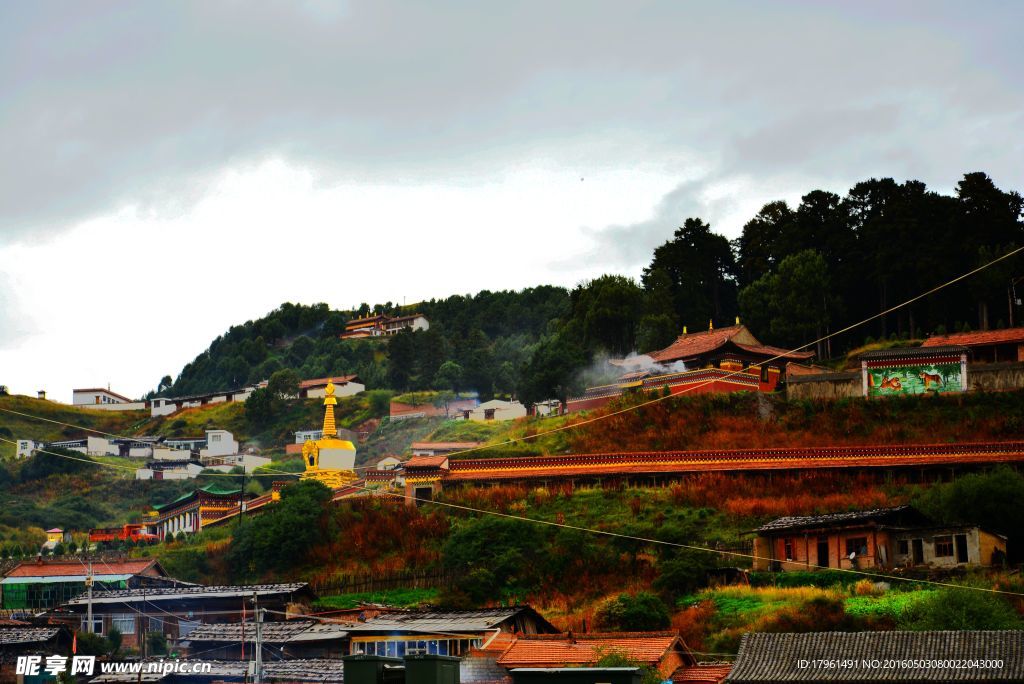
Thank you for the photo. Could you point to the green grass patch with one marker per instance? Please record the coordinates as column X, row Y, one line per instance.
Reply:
column 892, row 604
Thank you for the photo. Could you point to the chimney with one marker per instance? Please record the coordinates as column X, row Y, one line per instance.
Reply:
column 41, row 394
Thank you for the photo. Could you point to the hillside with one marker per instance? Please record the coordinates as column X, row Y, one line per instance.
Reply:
column 15, row 427
column 745, row 420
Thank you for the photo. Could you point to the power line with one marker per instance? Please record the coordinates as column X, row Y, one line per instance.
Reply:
column 655, row 400
column 690, row 547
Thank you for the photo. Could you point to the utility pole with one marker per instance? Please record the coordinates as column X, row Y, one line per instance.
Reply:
column 88, row 586
column 258, row 674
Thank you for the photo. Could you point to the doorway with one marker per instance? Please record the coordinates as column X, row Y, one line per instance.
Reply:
column 961, row 548
column 917, row 546
column 823, row 552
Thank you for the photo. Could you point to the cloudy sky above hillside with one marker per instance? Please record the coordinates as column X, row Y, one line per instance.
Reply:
column 170, row 169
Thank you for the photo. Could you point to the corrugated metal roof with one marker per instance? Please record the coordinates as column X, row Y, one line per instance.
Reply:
column 178, row 593
column 437, row 621
column 289, row 631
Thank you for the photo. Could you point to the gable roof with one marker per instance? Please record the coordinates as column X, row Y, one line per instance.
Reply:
column 980, row 338
column 797, row 522
column 68, row 571
column 765, row 657
column 689, row 345
column 557, row 650
column 444, row 446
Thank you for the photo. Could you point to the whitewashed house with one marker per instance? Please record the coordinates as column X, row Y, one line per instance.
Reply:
column 99, row 398
column 497, row 409
column 26, row 447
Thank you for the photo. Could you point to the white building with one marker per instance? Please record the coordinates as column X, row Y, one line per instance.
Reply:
column 165, row 406
column 303, row 436
column 248, row 463
column 176, row 470
column 99, row 398
column 26, row 447
column 219, row 443
column 497, row 409
column 388, row 463
column 547, row 408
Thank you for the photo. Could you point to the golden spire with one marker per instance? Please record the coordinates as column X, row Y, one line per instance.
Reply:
column 711, row 324
column 330, row 430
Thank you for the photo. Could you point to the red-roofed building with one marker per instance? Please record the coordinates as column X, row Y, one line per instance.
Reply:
column 344, row 386
column 383, row 326
column 664, row 651
column 724, row 360
column 41, row 585
column 985, row 346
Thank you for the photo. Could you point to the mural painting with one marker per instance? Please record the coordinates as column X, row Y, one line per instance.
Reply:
column 932, row 378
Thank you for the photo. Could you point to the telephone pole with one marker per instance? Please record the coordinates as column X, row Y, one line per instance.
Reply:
column 258, row 673
column 88, row 586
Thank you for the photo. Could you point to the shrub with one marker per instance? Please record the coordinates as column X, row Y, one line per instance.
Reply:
column 960, row 609
column 642, row 612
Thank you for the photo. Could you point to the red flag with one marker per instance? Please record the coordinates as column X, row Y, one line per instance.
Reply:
column 74, row 643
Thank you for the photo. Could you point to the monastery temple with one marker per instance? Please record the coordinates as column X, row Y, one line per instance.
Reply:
column 724, row 360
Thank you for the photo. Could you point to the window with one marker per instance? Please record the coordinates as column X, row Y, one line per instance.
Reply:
column 857, row 545
column 944, row 547
column 215, row 438
column 124, row 623
column 788, row 546
column 97, row 624
column 903, row 547
column 489, row 414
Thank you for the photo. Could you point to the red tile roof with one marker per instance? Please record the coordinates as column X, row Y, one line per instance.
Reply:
column 585, row 649
column 689, row 345
column 75, row 568
column 322, row 382
column 702, row 674
column 980, row 338
column 426, row 462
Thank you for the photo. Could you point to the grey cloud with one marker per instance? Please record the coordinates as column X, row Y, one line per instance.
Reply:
column 108, row 103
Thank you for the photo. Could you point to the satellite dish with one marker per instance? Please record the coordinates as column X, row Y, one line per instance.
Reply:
column 853, row 554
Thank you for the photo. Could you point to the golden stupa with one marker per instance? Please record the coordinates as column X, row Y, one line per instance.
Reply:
column 329, row 459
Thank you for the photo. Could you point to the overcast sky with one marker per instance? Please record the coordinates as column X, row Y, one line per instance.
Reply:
column 170, row 169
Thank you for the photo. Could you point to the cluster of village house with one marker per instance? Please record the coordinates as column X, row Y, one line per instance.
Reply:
column 45, row 601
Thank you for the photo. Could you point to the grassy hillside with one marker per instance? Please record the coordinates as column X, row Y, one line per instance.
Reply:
column 21, row 427
column 746, row 420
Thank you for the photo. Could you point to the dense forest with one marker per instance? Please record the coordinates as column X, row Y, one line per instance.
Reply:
column 794, row 274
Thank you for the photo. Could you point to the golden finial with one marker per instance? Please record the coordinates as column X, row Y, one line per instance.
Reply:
column 737, row 320
column 711, row 324
column 330, row 430
column 684, row 329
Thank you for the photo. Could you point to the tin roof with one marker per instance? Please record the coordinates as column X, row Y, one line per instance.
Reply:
column 793, row 522
column 150, row 594
column 449, row 621
column 286, row 632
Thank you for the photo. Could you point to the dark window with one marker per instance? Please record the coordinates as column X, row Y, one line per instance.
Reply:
column 789, row 549
column 903, row 547
column 944, row 547
column 857, row 545
column 961, row 548
column 489, row 414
